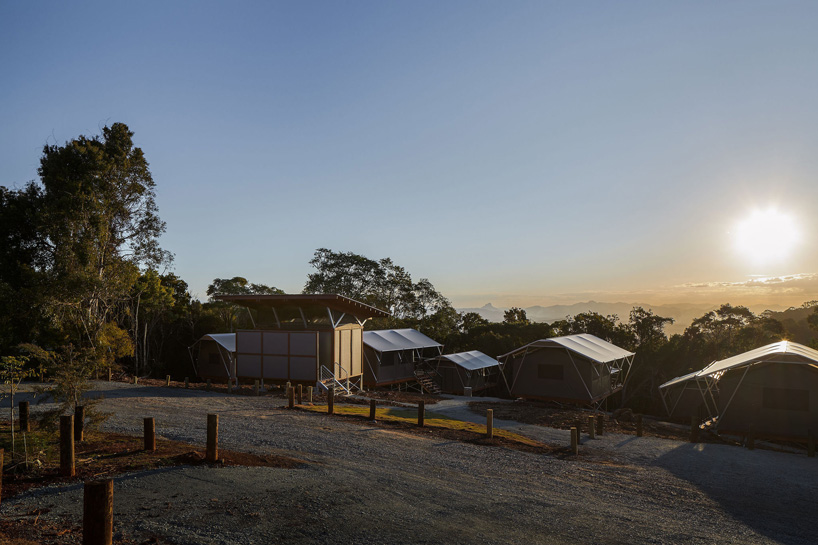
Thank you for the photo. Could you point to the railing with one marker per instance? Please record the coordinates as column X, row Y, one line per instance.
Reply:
column 326, row 376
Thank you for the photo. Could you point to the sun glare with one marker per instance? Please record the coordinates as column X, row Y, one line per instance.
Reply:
column 767, row 236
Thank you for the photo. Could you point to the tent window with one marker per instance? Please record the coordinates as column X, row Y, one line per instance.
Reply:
column 785, row 399
column 550, row 371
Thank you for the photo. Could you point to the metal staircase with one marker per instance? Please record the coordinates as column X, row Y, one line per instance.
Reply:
column 328, row 380
column 425, row 380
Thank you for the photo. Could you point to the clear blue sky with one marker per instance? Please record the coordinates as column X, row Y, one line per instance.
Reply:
column 513, row 152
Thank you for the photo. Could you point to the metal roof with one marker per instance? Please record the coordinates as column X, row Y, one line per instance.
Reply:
column 677, row 380
column 331, row 300
column 584, row 344
column 471, row 361
column 392, row 340
column 226, row 340
column 765, row 353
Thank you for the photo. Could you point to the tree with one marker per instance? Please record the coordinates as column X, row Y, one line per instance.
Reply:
column 12, row 372
column 227, row 312
column 648, row 328
column 515, row 315
column 470, row 321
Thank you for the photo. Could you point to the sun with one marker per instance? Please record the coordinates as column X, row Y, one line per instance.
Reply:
column 767, row 237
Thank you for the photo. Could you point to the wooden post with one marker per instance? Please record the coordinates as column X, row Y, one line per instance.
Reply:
column 421, row 412
column 150, row 434
column 25, row 426
column 167, row 380
column 67, row 446
column 591, row 427
column 639, row 425
column 207, row 385
column 373, row 405
column 600, row 424
column 331, row 401
column 574, row 441
column 751, row 438
column 288, row 384
column 291, row 397
column 309, row 393
column 255, row 387
column 810, row 444
column 694, row 429
column 98, row 512
column 79, row 423
column 109, row 374
column 490, row 423
column 578, row 426
column 212, row 438
column 187, row 382
column 2, row 454
column 300, row 394
column 135, row 379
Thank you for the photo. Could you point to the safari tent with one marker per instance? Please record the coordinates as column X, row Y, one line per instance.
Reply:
column 772, row 389
column 581, row 369
column 390, row 355
column 214, row 356
column 456, row 372
column 302, row 338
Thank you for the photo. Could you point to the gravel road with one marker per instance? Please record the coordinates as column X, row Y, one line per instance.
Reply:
column 364, row 484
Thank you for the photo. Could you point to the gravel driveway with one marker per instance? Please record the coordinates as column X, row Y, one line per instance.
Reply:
column 364, row 484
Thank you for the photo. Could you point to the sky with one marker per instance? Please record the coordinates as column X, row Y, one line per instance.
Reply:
column 517, row 152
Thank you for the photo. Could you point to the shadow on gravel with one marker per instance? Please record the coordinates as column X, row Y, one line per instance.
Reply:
column 771, row 492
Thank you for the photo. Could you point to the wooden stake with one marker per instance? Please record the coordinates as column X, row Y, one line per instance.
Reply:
column 694, row 429
column 167, row 380
column 135, row 379
column 639, row 425
column 574, row 440
column 373, row 405
column 212, row 438
column 150, row 434
column 591, row 427
column 98, row 512
column 309, row 394
column 810, row 444
column 2, row 454
column 291, row 397
column 751, row 438
column 67, row 446
column 255, row 387
column 300, row 394
column 331, row 401
column 421, row 412
column 578, row 426
column 79, row 423
column 187, row 382
column 109, row 374
column 490, row 423
column 600, row 424
column 207, row 386
column 25, row 426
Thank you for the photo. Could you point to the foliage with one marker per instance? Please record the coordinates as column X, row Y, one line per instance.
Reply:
column 13, row 370
column 515, row 315
column 230, row 315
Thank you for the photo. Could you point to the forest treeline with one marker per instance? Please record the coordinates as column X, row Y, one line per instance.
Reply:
column 85, row 285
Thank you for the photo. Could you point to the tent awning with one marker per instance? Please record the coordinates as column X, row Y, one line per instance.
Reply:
column 764, row 353
column 471, row 361
column 393, row 340
column 584, row 344
column 226, row 340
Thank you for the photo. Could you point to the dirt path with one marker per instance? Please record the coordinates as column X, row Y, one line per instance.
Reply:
column 363, row 484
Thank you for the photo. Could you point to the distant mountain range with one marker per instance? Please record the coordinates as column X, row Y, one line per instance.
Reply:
column 682, row 313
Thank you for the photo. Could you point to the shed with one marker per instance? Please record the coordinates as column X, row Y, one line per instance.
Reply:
column 473, row 369
column 302, row 338
column 214, row 356
column 390, row 355
column 581, row 369
column 773, row 389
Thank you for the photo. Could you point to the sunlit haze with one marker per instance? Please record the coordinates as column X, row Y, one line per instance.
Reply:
column 514, row 153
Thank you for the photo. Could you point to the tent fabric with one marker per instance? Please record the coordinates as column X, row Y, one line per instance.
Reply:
column 226, row 340
column 764, row 353
column 584, row 344
column 471, row 361
column 677, row 380
column 393, row 340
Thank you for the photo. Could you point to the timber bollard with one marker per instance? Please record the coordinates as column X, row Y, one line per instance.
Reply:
column 212, row 438
column 255, row 388
column 591, row 427
column 421, row 412
column 373, row 405
column 309, row 392
column 187, row 382
column 300, row 394
column 79, row 423
column 135, row 379
column 810, row 444
column 574, row 441
column 578, row 426
column 291, row 397
column 600, row 424
column 694, row 429
column 25, row 426
column 207, row 385
column 150, row 434
column 331, row 401
column 490, row 423
column 751, row 439
column 167, row 380
column 67, row 446
column 639, row 431
column 98, row 512
column 109, row 375
column 2, row 453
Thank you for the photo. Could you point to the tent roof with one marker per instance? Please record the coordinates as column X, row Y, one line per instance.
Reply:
column 392, row 340
column 765, row 353
column 471, row 361
column 677, row 380
column 333, row 301
column 584, row 344
column 226, row 340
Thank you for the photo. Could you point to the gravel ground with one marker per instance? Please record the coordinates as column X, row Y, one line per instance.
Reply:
column 364, row 484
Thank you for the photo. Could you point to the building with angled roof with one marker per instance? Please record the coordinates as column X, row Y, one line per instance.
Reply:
column 390, row 355
column 456, row 372
column 214, row 356
column 581, row 369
